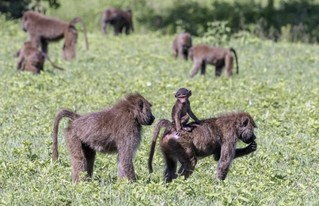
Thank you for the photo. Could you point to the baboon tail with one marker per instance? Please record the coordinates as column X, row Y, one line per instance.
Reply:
column 237, row 66
column 51, row 62
column 60, row 115
column 79, row 19
column 162, row 123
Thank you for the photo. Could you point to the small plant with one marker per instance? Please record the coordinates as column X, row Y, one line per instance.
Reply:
column 218, row 32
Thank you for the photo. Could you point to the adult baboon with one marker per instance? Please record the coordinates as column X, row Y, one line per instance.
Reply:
column 202, row 54
column 214, row 136
column 43, row 29
column 118, row 19
column 114, row 130
column 31, row 59
column 181, row 45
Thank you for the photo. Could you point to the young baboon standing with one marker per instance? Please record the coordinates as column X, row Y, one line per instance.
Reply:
column 181, row 45
column 202, row 54
column 31, row 59
column 118, row 19
column 214, row 136
column 114, row 130
column 43, row 29
column 180, row 115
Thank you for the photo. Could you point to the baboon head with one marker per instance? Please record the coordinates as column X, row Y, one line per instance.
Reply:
column 70, row 41
column 25, row 22
column 182, row 94
column 246, row 127
column 141, row 109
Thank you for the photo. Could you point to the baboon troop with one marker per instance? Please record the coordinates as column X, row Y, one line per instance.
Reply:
column 119, row 19
column 31, row 59
column 202, row 54
column 114, row 130
column 214, row 136
column 43, row 29
column 181, row 45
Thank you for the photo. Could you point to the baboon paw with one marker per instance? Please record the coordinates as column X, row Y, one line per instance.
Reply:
column 253, row 146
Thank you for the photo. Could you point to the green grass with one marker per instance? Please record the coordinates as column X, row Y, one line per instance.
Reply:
column 277, row 85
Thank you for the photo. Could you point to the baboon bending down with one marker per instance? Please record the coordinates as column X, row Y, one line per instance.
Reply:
column 214, row 136
column 180, row 115
column 202, row 54
column 43, row 29
column 118, row 19
column 181, row 45
column 114, row 130
column 31, row 59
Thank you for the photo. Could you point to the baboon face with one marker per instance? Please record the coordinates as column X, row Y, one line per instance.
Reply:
column 182, row 94
column 246, row 130
column 142, row 110
column 70, row 43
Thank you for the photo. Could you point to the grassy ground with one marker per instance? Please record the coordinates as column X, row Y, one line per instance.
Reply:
column 277, row 84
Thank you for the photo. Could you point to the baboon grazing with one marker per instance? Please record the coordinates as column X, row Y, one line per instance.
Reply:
column 43, row 29
column 214, row 136
column 181, row 45
column 118, row 19
column 202, row 54
column 31, row 59
column 114, row 130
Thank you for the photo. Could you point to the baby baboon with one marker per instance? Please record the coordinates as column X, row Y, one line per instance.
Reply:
column 180, row 115
column 214, row 136
column 114, row 130
column 31, row 59
column 181, row 45
column 43, row 29
column 220, row 57
column 118, row 19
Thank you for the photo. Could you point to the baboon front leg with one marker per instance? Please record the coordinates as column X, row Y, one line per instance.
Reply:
column 218, row 70
column 226, row 156
column 196, row 66
column 89, row 159
column 203, row 68
column 244, row 151
column 44, row 46
column 77, row 157
column 125, row 164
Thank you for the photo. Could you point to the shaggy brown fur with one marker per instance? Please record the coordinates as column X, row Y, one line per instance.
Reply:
column 31, row 59
column 215, row 136
column 43, row 29
column 181, row 45
column 118, row 19
column 114, row 130
column 202, row 54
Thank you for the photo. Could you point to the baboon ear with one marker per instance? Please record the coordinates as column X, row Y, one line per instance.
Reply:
column 190, row 93
column 244, row 122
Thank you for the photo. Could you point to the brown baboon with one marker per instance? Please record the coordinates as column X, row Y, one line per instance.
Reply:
column 202, row 54
column 181, row 45
column 118, row 19
column 31, row 59
column 214, row 136
column 114, row 130
column 43, row 29
column 180, row 115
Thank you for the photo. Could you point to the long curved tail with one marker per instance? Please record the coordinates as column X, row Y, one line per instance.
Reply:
column 60, row 115
column 162, row 123
column 51, row 62
column 237, row 66
column 79, row 19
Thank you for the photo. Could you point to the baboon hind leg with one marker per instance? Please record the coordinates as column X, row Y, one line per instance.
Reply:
column 77, row 157
column 170, row 170
column 203, row 68
column 229, row 65
column 196, row 66
column 89, row 155
column 188, row 160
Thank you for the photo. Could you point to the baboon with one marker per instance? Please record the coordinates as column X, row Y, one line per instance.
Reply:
column 181, row 45
column 118, row 19
column 43, row 29
column 180, row 115
column 214, row 136
column 31, row 59
column 202, row 54
column 114, row 130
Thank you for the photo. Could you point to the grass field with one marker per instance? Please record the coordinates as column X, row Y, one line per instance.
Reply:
column 278, row 84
